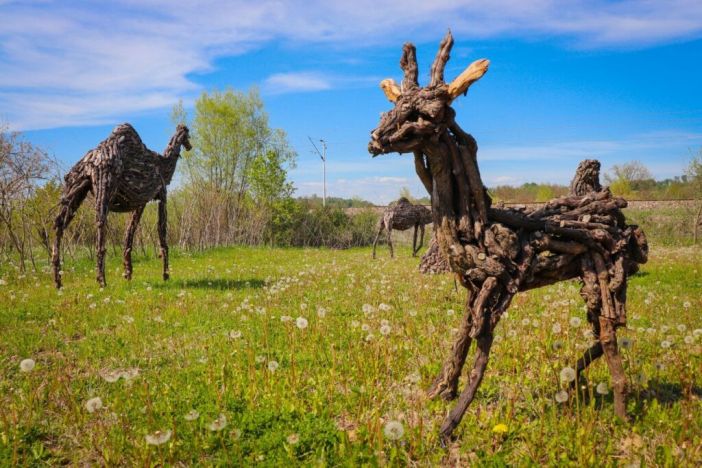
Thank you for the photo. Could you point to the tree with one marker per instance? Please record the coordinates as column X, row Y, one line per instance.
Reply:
column 236, row 156
column 629, row 177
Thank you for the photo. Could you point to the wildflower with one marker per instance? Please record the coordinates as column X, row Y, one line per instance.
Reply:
column 93, row 404
column 687, row 304
column 561, row 396
column 128, row 318
column 664, row 329
column 650, row 330
column 159, row 319
column 697, row 332
column 413, row 313
column 665, row 344
column 535, row 323
column 365, row 327
column 556, row 328
column 450, row 312
column 689, row 339
column 602, row 388
column 575, row 322
column 500, row 428
column 384, row 307
column 368, row 309
column 218, row 424
column 526, row 322
column 394, row 430
column 624, row 343
column 260, row 359
column 3, row 282
column 129, row 374
column 285, row 318
column 158, row 437
column 191, row 415
column 567, row 374
column 369, row 337
column 110, row 376
column 682, row 328
column 293, row 439
column 301, row 323
column 303, row 306
column 384, row 322
column 273, row 366
column 321, row 312
column 588, row 334
column 234, row 334
column 355, row 323
column 27, row 365
column 385, row 330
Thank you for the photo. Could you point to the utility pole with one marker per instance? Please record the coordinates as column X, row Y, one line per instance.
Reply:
column 323, row 157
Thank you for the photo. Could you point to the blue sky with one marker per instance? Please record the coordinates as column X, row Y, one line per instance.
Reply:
column 615, row 80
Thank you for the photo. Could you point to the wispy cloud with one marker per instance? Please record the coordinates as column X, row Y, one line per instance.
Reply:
column 82, row 62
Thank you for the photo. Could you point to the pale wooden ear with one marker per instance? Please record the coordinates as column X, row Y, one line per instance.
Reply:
column 391, row 89
column 470, row 75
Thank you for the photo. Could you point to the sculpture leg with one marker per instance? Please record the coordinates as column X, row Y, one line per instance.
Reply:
column 392, row 252
column 414, row 240
column 103, row 190
column 162, row 233
column 446, row 383
column 590, row 355
column 608, row 338
column 421, row 239
column 476, row 376
column 375, row 242
column 129, row 240
column 70, row 202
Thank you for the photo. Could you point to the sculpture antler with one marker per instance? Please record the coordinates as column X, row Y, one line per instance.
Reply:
column 442, row 57
column 470, row 75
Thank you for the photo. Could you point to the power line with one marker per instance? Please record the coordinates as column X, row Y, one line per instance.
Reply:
column 323, row 157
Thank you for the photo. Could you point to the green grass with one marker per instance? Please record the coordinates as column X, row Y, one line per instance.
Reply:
column 340, row 380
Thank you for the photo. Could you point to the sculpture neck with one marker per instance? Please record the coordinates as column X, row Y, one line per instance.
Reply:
column 170, row 159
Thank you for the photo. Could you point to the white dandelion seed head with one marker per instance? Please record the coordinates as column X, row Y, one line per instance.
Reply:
column 575, row 322
column 218, row 424
column 394, row 430
column 191, row 415
column 234, row 334
column 368, row 309
column 384, row 322
column 689, row 339
column 697, row 332
column 365, row 327
column 561, row 396
column 285, row 318
column 567, row 374
column 665, row 328
column 369, row 337
column 413, row 313
column 303, row 306
column 273, row 366
column 650, row 330
column 128, row 318
column 93, row 404
column 355, row 324
column 602, row 388
column 321, row 312
column 27, row 365
column 450, row 312
column 385, row 330
column 526, row 322
column 260, row 359
column 588, row 334
column 682, row 328
column 665, row 344
column 110, row 376
column 293, row 439
column 384, row 307
column 687, row 304
column 301, row 323
column 556, row 328
column 158, row 437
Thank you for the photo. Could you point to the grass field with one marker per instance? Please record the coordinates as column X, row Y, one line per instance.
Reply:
column 217, row 361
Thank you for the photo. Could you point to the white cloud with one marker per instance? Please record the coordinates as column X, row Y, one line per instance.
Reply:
column 86, row 62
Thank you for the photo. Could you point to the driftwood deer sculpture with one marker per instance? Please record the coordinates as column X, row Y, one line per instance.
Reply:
column 497, row 252
column 402, row 215
column 124, row 175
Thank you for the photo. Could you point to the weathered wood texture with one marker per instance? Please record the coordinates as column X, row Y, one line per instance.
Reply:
column 496, row 252
column 403, row 215
column 124, row 175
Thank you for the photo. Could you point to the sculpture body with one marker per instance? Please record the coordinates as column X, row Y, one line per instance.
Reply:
column 403, row 215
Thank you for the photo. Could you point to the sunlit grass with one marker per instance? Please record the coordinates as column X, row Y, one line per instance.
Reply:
column 276, row 356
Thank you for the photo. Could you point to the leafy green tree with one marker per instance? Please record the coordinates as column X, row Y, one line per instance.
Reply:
column 625, row 179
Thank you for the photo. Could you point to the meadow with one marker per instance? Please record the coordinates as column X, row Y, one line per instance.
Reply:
column 283, row 357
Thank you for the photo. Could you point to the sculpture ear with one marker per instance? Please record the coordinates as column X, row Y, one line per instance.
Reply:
column 391, row 89
column 470, row 75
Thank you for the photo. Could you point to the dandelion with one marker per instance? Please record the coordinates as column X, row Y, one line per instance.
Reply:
column 3, row 282
column 301, row 323
column 368, row 309
column 665, row 344
column 650, row 330
column 158, row 437
column 273, row 366
column 602, row 388
column 450, row 312
column 689, row 339
column 365, row 327
column 682, row 328
column 110, row 376
column 321, row 312
column 561, row 396
column 293, row 439
column 27, row 365
column 624, row 343
column 260, row 359
column 303, row 306
column 128, row 318
column 159, row 319
column 697, row 332
column 218, row 424
column 664, row 329
column 687, row 304
column 413, row 313
column 588, row 334
column 93, row 404
column 384, row 307
column 285, row 318
column 234, row 334
column 500, row 428
column 355, row 324
column 191, row 415
column 556, row 328
column 567, row 374
column 575, row 322
column 385, row 330
column 394, row 430
column 526, row 322
column 369, row 337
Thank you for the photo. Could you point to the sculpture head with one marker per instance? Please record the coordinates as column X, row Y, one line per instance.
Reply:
column 420, row 114
column 182, row 137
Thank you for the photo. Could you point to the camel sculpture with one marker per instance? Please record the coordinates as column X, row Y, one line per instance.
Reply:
column 403, row 215
column 497, row 252
column 124, row 175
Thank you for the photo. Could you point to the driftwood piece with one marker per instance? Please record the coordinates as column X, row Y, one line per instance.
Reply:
column 496, row 252
column 124, row 175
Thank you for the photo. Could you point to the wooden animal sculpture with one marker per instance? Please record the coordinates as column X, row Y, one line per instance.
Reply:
column 124, row 175
column 497, row 252
column 403, row 215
